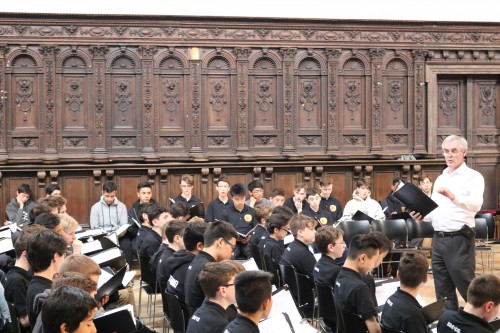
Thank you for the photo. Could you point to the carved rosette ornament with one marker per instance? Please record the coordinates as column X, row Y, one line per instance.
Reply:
column 448, row 102
column 264, row 97
column 123, row 97
column 74, row 99
column 353, row 98
column 395, row 97
column 24, row 96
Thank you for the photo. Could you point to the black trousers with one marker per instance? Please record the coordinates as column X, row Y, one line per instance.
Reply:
column 453, row 265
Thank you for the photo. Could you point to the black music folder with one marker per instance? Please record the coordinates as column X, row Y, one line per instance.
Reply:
column 196, row 210
column 119, row 320
column 415, row 200
column 359, row 216
column 433, row 311
column 400, row 216
column 112, row 257
column 112, row 285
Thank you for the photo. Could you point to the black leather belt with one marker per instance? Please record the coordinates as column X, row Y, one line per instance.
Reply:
column 448, row 233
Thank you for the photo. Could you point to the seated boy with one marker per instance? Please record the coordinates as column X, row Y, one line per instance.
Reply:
column 483, row 305
column 277, row 197
column 242, row 217
column 297, row 253
column 402, row 311
column 297, row 203
column 220, row 241
column 314, row 210
column 217, row 206
column 217, row 281
column 172, row 242
column 260, row 234
column 256, row 192
column 350, row 292
column 253, row 297
column 69, row 309
column 330, row 243
column 361, row 201
column 328, row 202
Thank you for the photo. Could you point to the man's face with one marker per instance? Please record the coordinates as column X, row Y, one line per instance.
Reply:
column 299, row 194
column 222, row 188
column 239, row 202
column 326, row 191
column 453, row 154
column 257, row 193
column 144, row 194
column 109, row 197
column 363, row 192
column 314, row 201
column 277, row 200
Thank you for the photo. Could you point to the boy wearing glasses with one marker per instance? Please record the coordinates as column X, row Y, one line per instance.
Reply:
column 186, row 183
column 219, row 243
column 297, row 253
column 217, row 206
column 256, row 191
column 217, row 281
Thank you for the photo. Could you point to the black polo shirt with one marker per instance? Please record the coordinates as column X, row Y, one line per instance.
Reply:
column 150, row 244
column 290, row 204
column 141, row 234
column 323, row 217
column 16, row 285
column 241, row 325
column 259, row 236
column 215, row 209
column 351, row 294
column 463, row 322
column 333, row 206
column 242, row 221
column 38, row 285
column 193, row 201
column 192, row 289
column 273, row 249
column 326, row 271
column 298, row 255
column 403, row 312
column 209, row 318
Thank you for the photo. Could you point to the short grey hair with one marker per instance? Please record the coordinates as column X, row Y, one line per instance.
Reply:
column 453, row 137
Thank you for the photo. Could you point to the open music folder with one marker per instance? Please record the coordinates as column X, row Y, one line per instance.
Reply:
column 415, row 200
column 119, row 320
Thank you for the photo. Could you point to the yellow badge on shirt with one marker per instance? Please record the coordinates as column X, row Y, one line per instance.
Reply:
column 247, row 218
column 323, row 220
column 333, row 208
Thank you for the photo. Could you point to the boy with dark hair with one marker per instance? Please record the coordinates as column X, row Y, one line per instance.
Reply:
column 217, row 281
column 314, row 210
column 256, row 191
column 350, row 292
column 283, row 210
column 172, row 242
column 483, row 305
column 46, row 252
column 402, row 311
column 330, row 243
column 297, row 203
column 142, row 215
column 385, row 246
column 253, row 297
column 219, row 243
column 328, row 202
column 391, row 204
column 186, row 182
column 297, row 253
column 19, row 276
column 361, row 201
column 260, row 234
column 19, row 208
column 69, row 309
column 178, row 211
column 217, row 206
column 277, row 197
column 175, row 267
column 278, row 226
column 242, row 217
column 44, row 205
column 52, row 190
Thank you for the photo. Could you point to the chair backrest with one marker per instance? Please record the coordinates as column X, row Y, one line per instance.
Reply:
column 389, row 330
column 177, row 313
column 490, row 222
column 395, row 230
column 147, row 275
column 256, row 255
column 353, row 228
column 273, row 268
column 164, row 301
column 306, row 295
column 289, row 278
column 419, row 229
column 481, row 228
column 353, row 322
column 326, row 305
column 14, row 318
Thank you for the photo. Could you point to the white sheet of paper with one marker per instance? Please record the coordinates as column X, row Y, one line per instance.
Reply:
column 6, row 233
column 90, row 233
column 288, row 239
column 113, row 237
column 385, row 291
column 91, row 247
column 122, row 230
column 103, row 278
column 106, row 255
column 13, row 227
column 250, row 265
column 127, row 278
column 317, row 256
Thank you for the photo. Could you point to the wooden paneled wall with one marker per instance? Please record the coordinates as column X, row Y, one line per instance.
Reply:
column 88, row 98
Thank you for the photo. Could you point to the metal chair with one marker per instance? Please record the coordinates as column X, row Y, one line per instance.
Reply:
column 256, row 254
column 306, row 296
column 481, row 230
column 352, row 322
column 290, row 279
column 178, row 315
column 420, row 229
column 326, row 308
column 272, row 267
column 353, row 228
column 148, row 283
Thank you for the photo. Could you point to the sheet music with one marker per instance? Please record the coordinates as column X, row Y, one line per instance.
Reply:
column 114, row 238
column 90, row 233
column 6, row 245
column 6, row 233
column 106, row 255
column 122, row 230
column 250, row 265
column 388, row 287
column 288, row 239
column 103, row 278
column 127, row 278
column 91, row 247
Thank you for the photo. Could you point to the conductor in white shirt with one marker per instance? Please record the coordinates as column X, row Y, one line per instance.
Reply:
column 458, row 191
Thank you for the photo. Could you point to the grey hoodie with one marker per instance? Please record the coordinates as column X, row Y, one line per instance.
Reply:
column 108, row 217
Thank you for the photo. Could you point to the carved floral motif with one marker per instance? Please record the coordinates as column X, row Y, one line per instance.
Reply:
column 218, row 97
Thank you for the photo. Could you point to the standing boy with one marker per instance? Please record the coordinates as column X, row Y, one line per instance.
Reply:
column 328, row 202
column 217, row 206
column 323, row 217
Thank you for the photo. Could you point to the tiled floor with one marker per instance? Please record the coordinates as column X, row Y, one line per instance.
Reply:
column 427, row 292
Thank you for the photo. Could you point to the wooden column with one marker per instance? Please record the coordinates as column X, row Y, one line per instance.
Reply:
column 242, row 54
column 332, row 119
column 195, row 151
column 3, row 105
column 289, row 126
column 99, row 154
column 419, row 128
column 376, row 56
column 148, row 118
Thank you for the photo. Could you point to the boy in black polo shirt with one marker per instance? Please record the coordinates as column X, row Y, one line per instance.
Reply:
column 402, row 311
column 330, row 243
column 350, row 292
column 314, row 210
column 260, row 234
column 483, row 305
column 297, row 253
column 217, row 281
column 220, row 241
column 253, row 297
column 329, row 203
column 217, row 206
column 242, row 217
